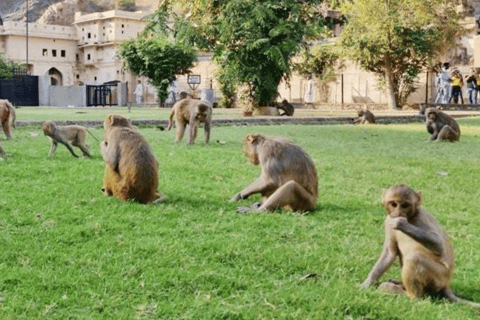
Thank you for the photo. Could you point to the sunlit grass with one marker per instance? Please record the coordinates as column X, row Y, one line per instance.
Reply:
column 68, row 252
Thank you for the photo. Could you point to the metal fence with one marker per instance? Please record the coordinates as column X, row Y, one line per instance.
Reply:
column 344, row 88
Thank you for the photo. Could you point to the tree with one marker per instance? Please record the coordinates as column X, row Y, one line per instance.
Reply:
column 7, row 67
column 397, row 39
column 320, row 61
column 158, row 58
column 252, row 41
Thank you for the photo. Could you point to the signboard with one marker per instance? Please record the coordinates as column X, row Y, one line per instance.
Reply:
column 194, row 81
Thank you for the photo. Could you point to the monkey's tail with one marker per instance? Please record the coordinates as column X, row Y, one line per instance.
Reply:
column 92, row 135
column 450, row 295
column 170, row 120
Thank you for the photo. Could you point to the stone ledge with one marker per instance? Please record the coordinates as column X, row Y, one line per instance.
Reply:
column 249, row 121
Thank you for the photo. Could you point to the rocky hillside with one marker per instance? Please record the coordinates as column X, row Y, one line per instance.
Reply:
column 62, row 12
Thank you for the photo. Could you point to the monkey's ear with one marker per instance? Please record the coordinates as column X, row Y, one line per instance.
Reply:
column 110, row 119
column 251, row 138
column 419, row 197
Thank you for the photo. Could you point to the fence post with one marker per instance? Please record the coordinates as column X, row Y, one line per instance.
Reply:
column 342, row 90
column 426, row 90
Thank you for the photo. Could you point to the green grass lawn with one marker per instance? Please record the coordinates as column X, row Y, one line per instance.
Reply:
column 68, row 252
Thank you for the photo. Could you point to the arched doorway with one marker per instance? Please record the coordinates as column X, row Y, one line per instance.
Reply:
column 56, row 78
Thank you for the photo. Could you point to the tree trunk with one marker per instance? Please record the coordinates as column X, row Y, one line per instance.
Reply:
column 392, row 104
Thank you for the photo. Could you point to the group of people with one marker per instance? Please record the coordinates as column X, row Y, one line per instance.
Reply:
column 450, row 85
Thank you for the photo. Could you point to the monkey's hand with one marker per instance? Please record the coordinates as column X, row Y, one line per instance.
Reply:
column 237, row 197
column 365, row 284
column 398, row 222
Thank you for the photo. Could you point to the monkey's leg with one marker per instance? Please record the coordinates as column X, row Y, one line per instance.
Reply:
column 447, row 133
column 192, row 131
column 392, row 288
column 422, row 275
column 207, row 131
column 2, row 152
column 53, row 148
column 84, row 149
column 69, row 147
column 290, row 194
column 180, row 130
column 6, row 128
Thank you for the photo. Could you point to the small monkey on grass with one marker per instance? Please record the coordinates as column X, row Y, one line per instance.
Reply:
column 191, row 112
column 425, row 253
column 68, row 136
column 364, row 116
column 441, row 126
column 288, row 179
column 131, row 170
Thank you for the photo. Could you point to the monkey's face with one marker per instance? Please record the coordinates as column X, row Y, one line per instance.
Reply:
column 249, row 148
column 360, row 113
column 401, row 201
column 47, row 128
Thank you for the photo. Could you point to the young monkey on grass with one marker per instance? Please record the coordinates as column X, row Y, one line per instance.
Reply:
column 416, row 237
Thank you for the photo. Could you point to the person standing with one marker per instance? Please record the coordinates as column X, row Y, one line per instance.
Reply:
column 472, row 86
column 443, row 84
column 309, row 98
column 138, row 92
column 457, row 83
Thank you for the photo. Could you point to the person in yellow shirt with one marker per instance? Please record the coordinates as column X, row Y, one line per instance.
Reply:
column 457, row 82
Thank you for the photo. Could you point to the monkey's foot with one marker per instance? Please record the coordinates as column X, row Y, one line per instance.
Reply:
column 257, row 205
column 392, row 288
column 161, row 198
column 243, row 210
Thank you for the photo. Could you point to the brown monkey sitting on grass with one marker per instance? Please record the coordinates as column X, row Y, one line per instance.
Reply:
column 288, row 179
column 191, row 112
column 7, row 117
column 69, row 136
column 441, row 125
column 425, row 253
column 364, row 116
column 131, row 170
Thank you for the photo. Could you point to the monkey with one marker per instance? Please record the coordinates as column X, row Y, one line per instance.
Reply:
column 364, row 116
column 69, row 136
column 191, row 112
column 183, row 95
column 288, row 109
column 266, row 111
column 441, row 125
column 288, row 179
column 131, row 169
column 416, row 237
column 7, row 117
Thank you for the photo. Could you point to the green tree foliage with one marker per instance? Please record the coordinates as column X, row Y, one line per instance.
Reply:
column 253, row 41
column 397, row 39
column 321, row 61
column 7, row 67
column 158, row 58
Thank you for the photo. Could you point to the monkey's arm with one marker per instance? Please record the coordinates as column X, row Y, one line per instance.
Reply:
column 434, row 128
column 111, row 154
column 384, row 262
column 428, row 239
column 256, row 187
column 53, row 147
